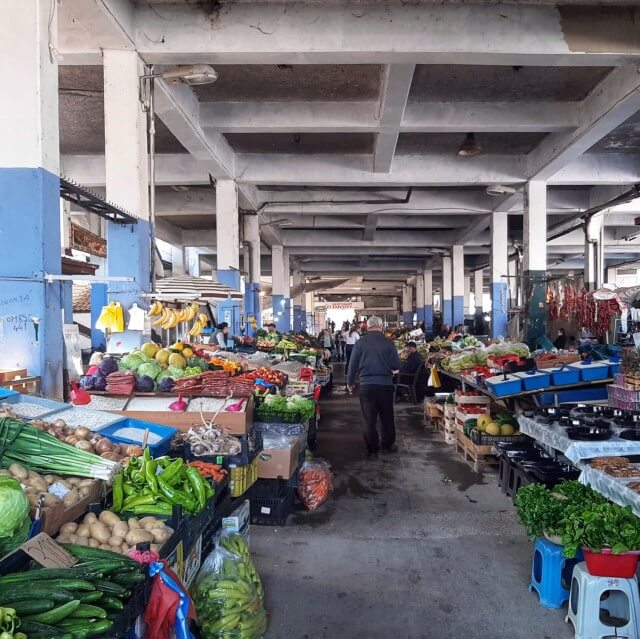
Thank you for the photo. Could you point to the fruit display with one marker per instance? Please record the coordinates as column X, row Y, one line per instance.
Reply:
column 267, row 374
column 167, row 318
column 502, row 424
column 108, row 532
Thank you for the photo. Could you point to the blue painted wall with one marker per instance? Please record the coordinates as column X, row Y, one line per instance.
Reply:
column 420, row 314
column 458, row 310
column 98, row 300
column 281, row 313
column 298, row 318
column 428, row 317
column 407, row 318
column 499, row 305
column 29, row 248
column 447, row 311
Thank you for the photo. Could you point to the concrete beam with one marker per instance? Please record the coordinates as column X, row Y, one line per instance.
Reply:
column 479, row 225
column 168, row 232
column 370, row 228
column 416, row 239
column 599, row 169
column 345, row 33
column 396, row 84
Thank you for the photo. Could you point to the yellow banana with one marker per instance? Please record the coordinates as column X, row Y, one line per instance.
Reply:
column 168, row 323
column 193, row 309
column 203, row 319
column 162, row 318
column 156, row 309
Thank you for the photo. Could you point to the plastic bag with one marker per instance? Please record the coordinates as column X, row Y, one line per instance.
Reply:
column 315, row 482
column 237, row 544
column 227, row 603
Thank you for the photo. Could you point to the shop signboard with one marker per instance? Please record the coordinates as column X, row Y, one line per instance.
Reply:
column 82, row 240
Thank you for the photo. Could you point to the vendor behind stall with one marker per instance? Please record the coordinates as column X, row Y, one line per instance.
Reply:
column 220, row 336
column 561, row 340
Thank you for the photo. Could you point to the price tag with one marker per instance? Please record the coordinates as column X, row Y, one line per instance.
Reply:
column 636, row 340
column 58, row 489
column 47, row 552
column 265, row 510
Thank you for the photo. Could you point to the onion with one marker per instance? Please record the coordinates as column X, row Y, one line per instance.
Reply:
column 71, row 439
column 103, row 446
column 110, row 455
column 83, row 444
column 82, row 432
column 59, row 423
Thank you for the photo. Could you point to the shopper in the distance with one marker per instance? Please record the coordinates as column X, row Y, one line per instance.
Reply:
column 352, row 337
column 375, row 359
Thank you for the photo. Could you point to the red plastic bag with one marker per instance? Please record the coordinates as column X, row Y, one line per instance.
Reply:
column 315, row 482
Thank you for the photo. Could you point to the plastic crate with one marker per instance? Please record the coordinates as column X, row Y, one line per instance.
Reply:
column 534, row 380
column 49, row 406
column 564, row 376
column 482, row 439
column 241, row 478
column 133, row 608
column 157, row 448
column 592, row 371
column 502, row 387
column 273, row 511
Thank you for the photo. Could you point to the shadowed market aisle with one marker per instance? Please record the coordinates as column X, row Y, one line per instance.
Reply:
column 413, row 545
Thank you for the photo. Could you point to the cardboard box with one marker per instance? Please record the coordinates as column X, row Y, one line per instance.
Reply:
column 55, row 516
column 280, row 462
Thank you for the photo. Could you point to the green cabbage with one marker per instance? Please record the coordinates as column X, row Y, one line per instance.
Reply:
column 130, row 362
column 14, row 514
column 151, row 369
column 175, row 371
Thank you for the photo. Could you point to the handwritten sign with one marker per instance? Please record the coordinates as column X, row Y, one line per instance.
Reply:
column 47, row 552
column 86, row 241
column 72, row 351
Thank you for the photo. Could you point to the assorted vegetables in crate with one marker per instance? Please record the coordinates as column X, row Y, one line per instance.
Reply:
column 294, row 407
column 153, row 486
column 211, row 440
column 108, row 532
column 72, row 603
column 41, row 452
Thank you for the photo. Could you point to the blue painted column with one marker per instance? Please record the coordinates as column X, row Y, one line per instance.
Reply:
column 282, row 313
column 252, row 287
column 230, row 310
column 298, row 318
column 252, row 304
column 30, row 307
column 498, row 271
column 447, row 292
column 428, row 298
column 281, row 288
column 98, row 300
column 457, row 256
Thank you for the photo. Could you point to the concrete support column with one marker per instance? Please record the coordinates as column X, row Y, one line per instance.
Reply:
column 252, row 286
column 457, row 256
column 467, row 293
column 478, row 289
column 127, row 182
column 447, row 292
column 428, row 298
column 298, row 301
column 177, row 260
column 499, row 270
column 420, row 298
column 30, row 308
column 309, row 313
column 281, row 295
column 593, row 252
column 193, row 261
column 535, row 261
column 407, row 304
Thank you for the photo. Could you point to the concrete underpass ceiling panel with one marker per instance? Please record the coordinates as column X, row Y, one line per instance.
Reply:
column 491, row 143
column 442, row 83
column 623, row 139
column 326, row 143
column 275, row 83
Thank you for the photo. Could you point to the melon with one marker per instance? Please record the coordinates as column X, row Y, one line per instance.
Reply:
column 507, row 430
column 492, row 429
column 176, row 359
column 150, row 349
column 162, row 356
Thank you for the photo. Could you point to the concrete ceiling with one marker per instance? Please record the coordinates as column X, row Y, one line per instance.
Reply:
column 330, row 114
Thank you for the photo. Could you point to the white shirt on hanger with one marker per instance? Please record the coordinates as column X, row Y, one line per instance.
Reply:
column 136, row 318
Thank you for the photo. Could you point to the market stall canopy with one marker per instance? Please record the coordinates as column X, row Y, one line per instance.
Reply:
column 190, row 288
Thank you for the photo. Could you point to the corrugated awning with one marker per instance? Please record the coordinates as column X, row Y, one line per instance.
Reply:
column 190, row 288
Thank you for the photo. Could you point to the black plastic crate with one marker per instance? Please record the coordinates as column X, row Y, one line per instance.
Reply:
column 134, row 607
column 272, row 511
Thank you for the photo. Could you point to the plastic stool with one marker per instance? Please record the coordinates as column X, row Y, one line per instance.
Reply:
column 551, row 573
column 517, row 480
column 503, row 473
column 602, row 607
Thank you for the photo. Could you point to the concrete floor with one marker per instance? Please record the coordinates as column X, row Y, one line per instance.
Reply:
column 411, row 546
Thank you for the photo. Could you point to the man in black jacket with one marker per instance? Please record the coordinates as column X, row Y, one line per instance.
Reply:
column 376, row 360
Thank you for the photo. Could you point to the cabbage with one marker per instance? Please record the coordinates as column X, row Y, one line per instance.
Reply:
column 87, row 381
column 175, row 371
column 14, row 511
column 130, row 362
column 166, row 384
column 150, row 369
column 144, row 384
column 99, row 383
column 107, row 366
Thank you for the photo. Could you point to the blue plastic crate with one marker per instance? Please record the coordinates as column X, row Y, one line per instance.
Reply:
column 573, row 396
column 564, row 376
column 49, row 406
column 592, row 371
column 534, row 380
column 6, row 392
column 502, row 387
column 614, row 365
column 157, row 447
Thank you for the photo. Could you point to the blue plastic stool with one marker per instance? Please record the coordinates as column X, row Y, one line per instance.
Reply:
column 603, row 607
column 551, row 573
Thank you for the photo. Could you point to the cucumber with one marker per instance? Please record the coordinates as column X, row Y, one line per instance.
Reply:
column 57, row 614
column 57, row 596
column 26, row 608
column 128, row 579
column 94, row 629
column 80, row 571
column 111, row 603
column 110, row 588
column 87, row 611
column 86, row 553
column 52, row 584
column 36, row 630
column 89, row 597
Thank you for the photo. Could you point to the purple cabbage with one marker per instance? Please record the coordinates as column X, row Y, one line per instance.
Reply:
column 108, row 365
column 144, row 384
column 99, row 383
column 165, row 385
column 87, row 382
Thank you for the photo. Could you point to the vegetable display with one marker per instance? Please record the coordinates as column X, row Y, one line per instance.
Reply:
column 153, row 486
column 73, row 603
column 295, row 407
column 108, row 532
column 212, row 471
column 41, row 452
column 14, row 515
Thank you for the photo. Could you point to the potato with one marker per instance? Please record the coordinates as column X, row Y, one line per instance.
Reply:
column 116, row 541
column 33, row 475
column 74, row 481
column 133, row 523
column 138, row 536
column 82, row 541
column 73, row 538
column 150, row 525
column 86, row 482
column 154, row 547
column 65, row 482
column 100, row 532
column 148, row 520
column 83, row 530
column 90, row 518
column 18, row 471
column 94, row 543
column 104, row 546
column 4, row 471
column 84, row 491
column 109, row 519
column 33, row 499
column 71, row 498
column 160, row 535
column 39, row 484
column 69, row 527
column 125, row 549
column 30, row 490
column 50, row 479
column 116, row 549
column 63, row 538
column 120, row 529
column 50, row 499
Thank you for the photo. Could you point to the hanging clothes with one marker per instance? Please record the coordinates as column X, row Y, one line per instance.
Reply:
column 136, row 318
column 111, row 318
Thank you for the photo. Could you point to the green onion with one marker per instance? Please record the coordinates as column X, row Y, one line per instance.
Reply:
column 43, row 453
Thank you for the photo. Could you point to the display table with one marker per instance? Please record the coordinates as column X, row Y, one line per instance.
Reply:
column 555, row 437
column 613, row 488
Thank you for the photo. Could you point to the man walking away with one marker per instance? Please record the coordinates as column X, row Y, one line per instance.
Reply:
column 375, row 359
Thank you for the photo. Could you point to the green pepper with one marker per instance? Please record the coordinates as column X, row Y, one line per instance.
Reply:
column 171, row 471
column 118, row 492
column 160, row 508
column 198, row 485
column 128, row 490
column 177, row 496
column 140, row 500
column 150, row 474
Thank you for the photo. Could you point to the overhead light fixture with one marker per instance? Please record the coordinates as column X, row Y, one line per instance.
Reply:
column 470, row 146
column 500, row 189
column 285, row 221
column 193, row 74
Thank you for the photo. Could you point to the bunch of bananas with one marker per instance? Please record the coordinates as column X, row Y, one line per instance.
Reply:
column 198, row 325
column 170, row 318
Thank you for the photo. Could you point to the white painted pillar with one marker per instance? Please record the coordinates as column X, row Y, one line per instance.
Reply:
column 177, row 260
column 227, row 234
column 193, row 261
column 427, row 276
column 298, row 301
column 447, row 291
column 535, row 261
column 252, row 304
column 420, row 298
column 407, row 304
column 467, row 293
column 281, row 287
column 498, row 271
column 457, row 256
column 310, row 312
column 593, row 252
column 478, row 289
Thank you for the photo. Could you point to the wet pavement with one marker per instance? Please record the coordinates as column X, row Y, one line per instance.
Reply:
column 412, row 545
